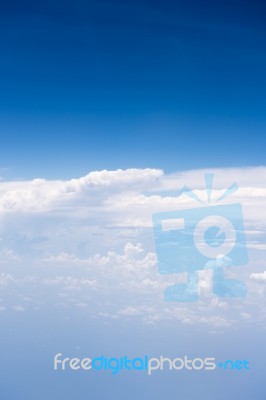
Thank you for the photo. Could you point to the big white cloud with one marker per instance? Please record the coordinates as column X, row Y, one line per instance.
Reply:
column 90, row 239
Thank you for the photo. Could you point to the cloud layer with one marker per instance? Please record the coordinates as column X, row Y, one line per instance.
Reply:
column 88, row 243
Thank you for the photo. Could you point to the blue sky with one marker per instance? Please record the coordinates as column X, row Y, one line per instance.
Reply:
column 105, row 107
column 94, row 85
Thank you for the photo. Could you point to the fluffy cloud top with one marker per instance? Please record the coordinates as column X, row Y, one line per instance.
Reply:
column 259, row 277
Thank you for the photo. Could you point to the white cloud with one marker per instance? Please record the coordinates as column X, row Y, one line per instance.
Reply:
column 88, row 243
column 259, row 277
column 119, row 178
column 43, row 195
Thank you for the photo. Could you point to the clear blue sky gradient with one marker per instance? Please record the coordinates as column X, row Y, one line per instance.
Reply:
column 92, row 85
